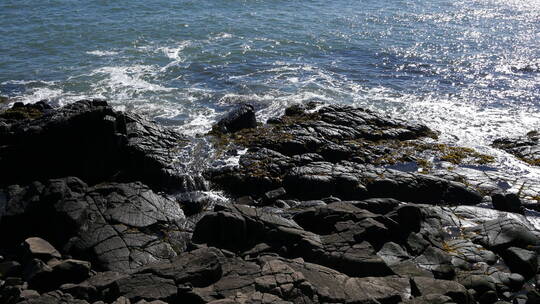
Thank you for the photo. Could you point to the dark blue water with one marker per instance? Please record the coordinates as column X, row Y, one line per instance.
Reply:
column 469, row 69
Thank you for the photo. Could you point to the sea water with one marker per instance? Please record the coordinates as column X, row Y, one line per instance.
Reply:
column 469, row 69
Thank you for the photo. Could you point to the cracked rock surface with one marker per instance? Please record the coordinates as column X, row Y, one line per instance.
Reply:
column 318, row 211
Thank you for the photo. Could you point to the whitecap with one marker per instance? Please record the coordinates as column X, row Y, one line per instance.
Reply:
column 199, row 122
column 127, row 80
column 102, row 53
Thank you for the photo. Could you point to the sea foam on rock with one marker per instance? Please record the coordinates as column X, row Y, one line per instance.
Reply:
column 316, row 215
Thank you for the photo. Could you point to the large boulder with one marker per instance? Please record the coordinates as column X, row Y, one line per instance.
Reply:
column 90, row 140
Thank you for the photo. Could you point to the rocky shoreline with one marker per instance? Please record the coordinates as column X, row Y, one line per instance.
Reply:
column 326, row 204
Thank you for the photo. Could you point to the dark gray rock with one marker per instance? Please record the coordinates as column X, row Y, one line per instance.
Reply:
column 145, row 287
column 431, row 299
column 479, row 283
column 9, row 268
column 422, row 286
column 503, row 233
column 521, row 261
column 200, row 268
column 117, row 226
column 102, row 144
column 330, row 152
column 509, row 202
column 242, row 117
column 53, row 297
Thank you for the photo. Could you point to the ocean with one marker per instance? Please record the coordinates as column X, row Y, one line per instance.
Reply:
column 468, row 69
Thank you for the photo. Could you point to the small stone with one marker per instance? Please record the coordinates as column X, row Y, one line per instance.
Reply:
column 122, row 300
column 274, row 194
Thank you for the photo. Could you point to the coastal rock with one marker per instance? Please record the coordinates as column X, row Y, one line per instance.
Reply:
column 524, row 262
column 502, row 233
column 318, row 214
column 527, row 148
column 423, row 286
column 37, row 247
column 507, row 202
column 241, row 117
column 122, row 226
column 103, row 144
column 331, row 151
column 286, row 281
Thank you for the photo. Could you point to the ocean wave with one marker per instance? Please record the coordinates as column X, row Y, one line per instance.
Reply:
column 127, row 81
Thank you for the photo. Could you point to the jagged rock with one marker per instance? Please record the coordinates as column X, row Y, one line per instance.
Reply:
column 377, row 205
column 119, row 226
column 39, row 248
column 194, row 202
column 479, row 283
column 393, row 254
column 239, row 227
column 70, row 270
column 244, row 227
column 300, row 282
column 28, row 294
column 199, row 268
column 80, row 291
column 122, row 300
column 241, row 117
column 102, row 144
column 514, row 281
column 43, row 277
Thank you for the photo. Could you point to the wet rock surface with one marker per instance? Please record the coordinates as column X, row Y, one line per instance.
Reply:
column 318, row 213
column 87, row 139
column 527, row 148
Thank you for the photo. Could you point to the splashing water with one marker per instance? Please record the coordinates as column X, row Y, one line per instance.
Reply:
column 469, row 69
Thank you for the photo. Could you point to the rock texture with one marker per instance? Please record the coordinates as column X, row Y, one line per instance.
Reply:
column 318, row 213
column 526, row 148
column 87, row 139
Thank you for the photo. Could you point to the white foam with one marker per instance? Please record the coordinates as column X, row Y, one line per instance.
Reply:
column 234, row 161
column 175, row 51
column 127, row 81
column 102, row 53
column 199, row 122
